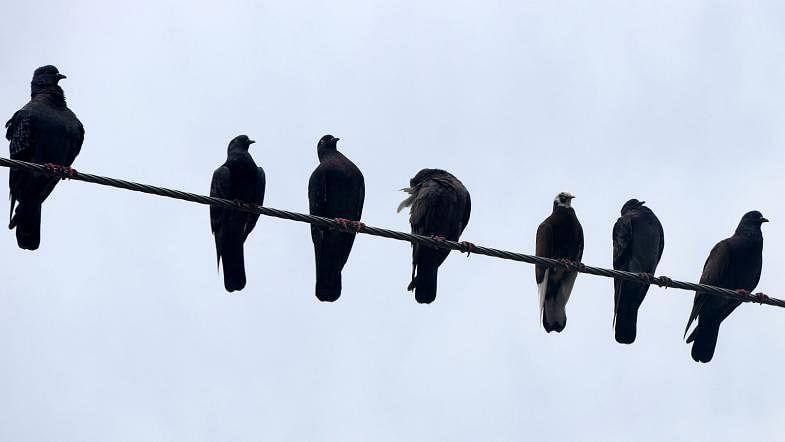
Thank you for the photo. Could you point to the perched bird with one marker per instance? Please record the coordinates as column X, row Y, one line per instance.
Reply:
column 638, row 241
column 734, row 263
column 336, row 190
column 43, row 131
column 440, row 207
column 560, row 236
column 237, row 179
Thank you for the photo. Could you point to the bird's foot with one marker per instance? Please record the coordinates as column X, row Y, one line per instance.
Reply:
column 760, row 298
column 572, row 265
column 70, row 171
column 358, row 226
column 664, row 282
column 468, row 248
column 344, row 224
column 743, row 292
column 648, row 277
column 59, row 171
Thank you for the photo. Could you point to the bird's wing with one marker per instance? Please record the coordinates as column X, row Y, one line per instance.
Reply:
column 713, row 273
column 360, row 197
column 77, row 146
column 579, row 255
column 220, row 187
column 19, row 132
column 662, row 241
column 317, row 192
column 254, row 217
column 467, row 211
column 622, row 235
column 544, row 248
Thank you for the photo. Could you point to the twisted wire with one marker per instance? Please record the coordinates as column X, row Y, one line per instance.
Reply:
column 661, row 281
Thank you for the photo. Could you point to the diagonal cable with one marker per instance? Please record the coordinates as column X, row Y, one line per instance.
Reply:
column 662, row 281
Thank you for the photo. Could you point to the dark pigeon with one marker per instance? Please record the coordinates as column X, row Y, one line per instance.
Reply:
column 237, row 179
column 560, row 236
column 734, row 263
column 336, row 190
column 638, row 241
column 43, row 131
column 440, row 207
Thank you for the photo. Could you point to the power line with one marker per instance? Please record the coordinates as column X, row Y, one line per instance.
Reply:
column 342, row 225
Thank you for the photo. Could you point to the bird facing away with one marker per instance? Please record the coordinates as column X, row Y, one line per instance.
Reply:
column 237, row 179
column 43, row 131
column 336, row 190
column 560, row 236
column 734, row 263
column 638, row 241
column 440, row 207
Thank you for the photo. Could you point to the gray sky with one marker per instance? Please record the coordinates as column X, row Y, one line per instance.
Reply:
column 118, row 328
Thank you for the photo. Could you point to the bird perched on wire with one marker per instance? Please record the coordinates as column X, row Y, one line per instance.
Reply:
column 734, row 263
column 43, row 131
column 241, row 180
column 336, row 190
column 560, row 236
column 638, row 241
column 440, row 207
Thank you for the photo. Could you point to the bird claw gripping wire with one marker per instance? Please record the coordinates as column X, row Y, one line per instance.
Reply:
column 468, row 248
column 572, row 265
column 350, row 226
column 61, row 172
column 760, row 298
column 662, row 281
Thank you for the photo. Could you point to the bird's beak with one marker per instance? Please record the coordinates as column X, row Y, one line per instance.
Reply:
column 642, row 203
column 336, row 140
column 406, row 189
column 763, row 220
column 572, row 196
column 251, row 141
column 61, row 76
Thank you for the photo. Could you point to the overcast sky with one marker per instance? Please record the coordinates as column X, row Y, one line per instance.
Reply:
column 118, row 327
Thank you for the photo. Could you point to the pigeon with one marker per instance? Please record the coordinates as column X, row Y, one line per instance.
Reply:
column 336, row 190
column 44, row 131
column 440, row 208
column 241, row 180
column 638, row 241
column 734, row 263
column 560, row 236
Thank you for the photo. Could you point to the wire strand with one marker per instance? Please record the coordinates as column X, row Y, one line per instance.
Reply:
column 343, row 225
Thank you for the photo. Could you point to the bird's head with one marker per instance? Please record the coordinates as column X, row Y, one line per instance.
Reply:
column 753, row 218
column 631, row 205
column 326, row 144
column 240, row 142
column 563, row 199
column 47, row 75
column 750, row 223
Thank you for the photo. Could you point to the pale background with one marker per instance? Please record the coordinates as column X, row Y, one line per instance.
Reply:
column 118, row 328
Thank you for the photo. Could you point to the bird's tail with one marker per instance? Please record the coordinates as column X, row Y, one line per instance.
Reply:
column 27, row 222
column 705, row 340
column 424, row 284
column 554, row 315
column 328, row 284
column 629, row 296
column 234, row 267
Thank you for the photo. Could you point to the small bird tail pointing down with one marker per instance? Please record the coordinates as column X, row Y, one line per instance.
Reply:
column 328, row 285
column 424, row 285
column 27, row 222
column 704, row 339
column 234, row 269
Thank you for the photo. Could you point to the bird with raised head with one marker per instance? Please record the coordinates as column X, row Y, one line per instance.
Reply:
column 44, row 131
column 560, row 236
column 239, row 179
column 734, row 263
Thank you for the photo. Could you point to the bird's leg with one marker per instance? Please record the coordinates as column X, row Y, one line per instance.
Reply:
column 760, row 298
column 358, row 226
column 55, row 169
column 665, row 282
column 744, row 293
column 437, row 238
column 648, row 277
column 469, row 247
column 572, row 265
column 344, row 223
column 70, row 171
